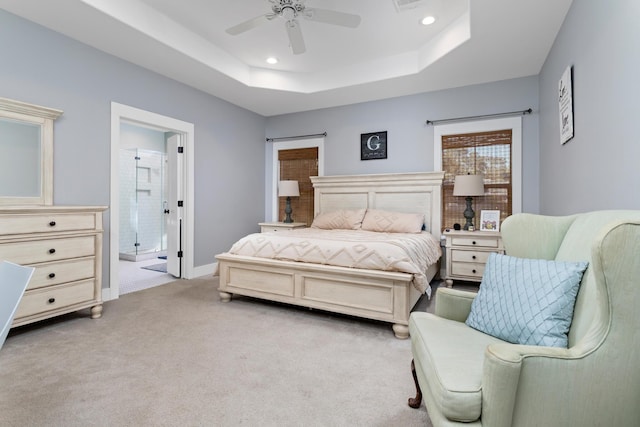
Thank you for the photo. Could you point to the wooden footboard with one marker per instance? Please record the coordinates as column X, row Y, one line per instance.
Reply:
column 379, row 295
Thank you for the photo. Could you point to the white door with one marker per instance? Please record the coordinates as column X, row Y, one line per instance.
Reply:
column 174, row 206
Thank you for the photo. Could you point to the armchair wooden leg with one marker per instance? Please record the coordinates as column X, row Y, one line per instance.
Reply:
column 415, row 402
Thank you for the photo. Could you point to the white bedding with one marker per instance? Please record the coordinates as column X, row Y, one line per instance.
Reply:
column 404, row 252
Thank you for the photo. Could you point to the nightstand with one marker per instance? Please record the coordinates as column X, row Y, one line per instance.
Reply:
column 467, row 253
column 279, row 226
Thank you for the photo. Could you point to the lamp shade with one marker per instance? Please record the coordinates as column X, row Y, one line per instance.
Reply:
column 288, row 189
column 468, row 185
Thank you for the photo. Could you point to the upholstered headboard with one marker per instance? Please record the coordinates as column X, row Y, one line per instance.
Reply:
column 397, row 192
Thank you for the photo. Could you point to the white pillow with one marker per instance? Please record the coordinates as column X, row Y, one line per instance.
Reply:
column 341, row 219
column 392, row 222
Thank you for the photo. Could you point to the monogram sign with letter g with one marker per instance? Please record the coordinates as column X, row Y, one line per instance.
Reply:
column 373, row 145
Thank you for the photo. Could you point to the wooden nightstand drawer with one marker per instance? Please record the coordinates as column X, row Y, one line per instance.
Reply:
column 484, row 242
column 55, row 298
column 467, row 269
column 267, row 227
column 469, row 256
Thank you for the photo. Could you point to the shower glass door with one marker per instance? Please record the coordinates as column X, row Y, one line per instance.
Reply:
column 142, row 197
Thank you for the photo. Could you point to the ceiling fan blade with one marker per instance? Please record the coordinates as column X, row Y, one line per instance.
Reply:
column 332, row 17
column 250, row 24
column 295, row 37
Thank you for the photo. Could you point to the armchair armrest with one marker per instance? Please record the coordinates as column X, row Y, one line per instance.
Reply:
column 453, row 304
column 513, row 374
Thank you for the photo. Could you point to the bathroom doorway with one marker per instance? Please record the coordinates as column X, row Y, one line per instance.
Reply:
column 151, row 191
column 143, row 203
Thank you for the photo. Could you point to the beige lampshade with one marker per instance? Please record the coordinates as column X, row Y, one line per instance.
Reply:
column 288, row 188
column 468, row 185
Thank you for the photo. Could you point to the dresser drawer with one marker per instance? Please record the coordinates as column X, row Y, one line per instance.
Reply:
column 55, row 273
column 55, row 297
column 483, row 242
column 43, row 223
column 469, row 256
column 36, row 251
column 468, row 269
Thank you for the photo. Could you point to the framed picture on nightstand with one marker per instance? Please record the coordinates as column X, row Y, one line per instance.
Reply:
column 489, row 220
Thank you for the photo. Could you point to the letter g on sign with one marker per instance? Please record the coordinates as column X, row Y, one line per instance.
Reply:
column 373, row 145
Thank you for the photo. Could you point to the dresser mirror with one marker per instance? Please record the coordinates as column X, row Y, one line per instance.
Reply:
column 26, row 153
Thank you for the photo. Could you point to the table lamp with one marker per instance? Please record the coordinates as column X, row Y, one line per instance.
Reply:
column 468, row 186
column 288, row 189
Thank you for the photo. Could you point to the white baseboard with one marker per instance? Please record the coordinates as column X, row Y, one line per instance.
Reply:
column 106, row 294
column 201, row 271
column 204, row 270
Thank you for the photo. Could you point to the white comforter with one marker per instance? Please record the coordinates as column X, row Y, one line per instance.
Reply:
column 404, row 252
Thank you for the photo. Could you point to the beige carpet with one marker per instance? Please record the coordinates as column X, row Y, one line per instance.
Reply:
column 174, row 355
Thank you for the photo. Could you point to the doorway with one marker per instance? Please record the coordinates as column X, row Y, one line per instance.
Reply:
column 143, row 201
column 178, row 181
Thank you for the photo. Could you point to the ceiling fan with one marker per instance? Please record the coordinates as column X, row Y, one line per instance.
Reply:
column 290, row 10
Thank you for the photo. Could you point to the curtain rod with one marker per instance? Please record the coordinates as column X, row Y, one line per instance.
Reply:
column 510, row 113
column 283, row 138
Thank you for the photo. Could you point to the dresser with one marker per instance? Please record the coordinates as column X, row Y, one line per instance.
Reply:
column 277, row 226
column 466, row 253
column 64, row 244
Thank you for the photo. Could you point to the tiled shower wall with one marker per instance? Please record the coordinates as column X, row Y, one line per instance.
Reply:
column 141, row 201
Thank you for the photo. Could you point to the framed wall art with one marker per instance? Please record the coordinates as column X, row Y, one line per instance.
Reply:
column 373, row 145
column 565, row 106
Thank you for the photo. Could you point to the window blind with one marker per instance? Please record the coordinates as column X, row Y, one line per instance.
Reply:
column 299, row 164
column 487, row 153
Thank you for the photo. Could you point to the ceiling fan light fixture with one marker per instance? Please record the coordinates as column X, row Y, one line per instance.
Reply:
column 289, row 10
column 428, row 20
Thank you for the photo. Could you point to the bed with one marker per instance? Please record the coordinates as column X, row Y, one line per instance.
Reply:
column 381, row 295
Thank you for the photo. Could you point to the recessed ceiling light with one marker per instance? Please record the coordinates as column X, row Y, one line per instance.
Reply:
column 271, row 60
column 428, row 20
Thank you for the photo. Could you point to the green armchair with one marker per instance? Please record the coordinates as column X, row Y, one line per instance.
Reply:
column 469, row 378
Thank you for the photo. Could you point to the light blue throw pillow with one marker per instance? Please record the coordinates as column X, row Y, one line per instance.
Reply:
column 527, row 301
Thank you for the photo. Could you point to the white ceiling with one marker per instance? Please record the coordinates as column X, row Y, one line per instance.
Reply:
column 389, row 54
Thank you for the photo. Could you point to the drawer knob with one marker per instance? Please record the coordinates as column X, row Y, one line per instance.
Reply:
column 52, row 275
column 52, row 223
column 473, row 257
column 52, row 251
column 473, row 243
column 52, row 300
column 473, row 271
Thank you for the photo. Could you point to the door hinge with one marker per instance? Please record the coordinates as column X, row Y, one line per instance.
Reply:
column 180, row 203
column 179, row 254
column 180, row 150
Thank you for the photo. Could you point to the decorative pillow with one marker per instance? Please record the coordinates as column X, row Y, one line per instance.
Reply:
column 392, row 222
column 341, row 219
column 527, row 301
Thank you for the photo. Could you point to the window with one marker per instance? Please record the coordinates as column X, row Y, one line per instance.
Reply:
column 514, row 124
column 487, row 153
column 277, row 173
column 299, row 164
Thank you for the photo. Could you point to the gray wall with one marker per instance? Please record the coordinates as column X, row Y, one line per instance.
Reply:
column 410, row 140
column 599, row 167
column 49, row 69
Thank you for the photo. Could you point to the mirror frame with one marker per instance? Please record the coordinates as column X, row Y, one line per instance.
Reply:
column 43, row 116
